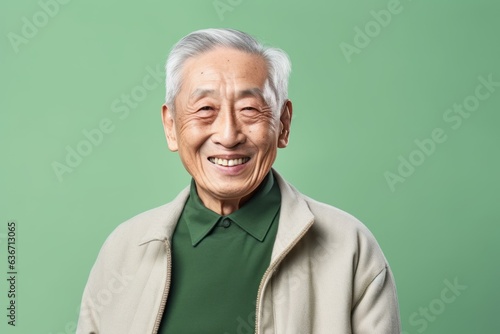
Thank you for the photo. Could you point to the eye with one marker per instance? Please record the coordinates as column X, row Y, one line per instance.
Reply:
column 249, row 108
column 206, row 108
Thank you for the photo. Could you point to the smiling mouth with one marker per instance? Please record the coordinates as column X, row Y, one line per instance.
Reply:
column 228, row 162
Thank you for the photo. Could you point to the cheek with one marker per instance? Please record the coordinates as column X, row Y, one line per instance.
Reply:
column 264, row 136
column 191, row 136
column 264, row 126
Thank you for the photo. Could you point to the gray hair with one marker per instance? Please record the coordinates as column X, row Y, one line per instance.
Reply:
column 198, row 42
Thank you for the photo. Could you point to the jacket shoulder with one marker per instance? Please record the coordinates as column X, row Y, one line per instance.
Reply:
column 342, row 230
column 155, row 224
column 334, row 218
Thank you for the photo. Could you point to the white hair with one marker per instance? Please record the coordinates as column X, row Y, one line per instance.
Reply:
column 198, row 42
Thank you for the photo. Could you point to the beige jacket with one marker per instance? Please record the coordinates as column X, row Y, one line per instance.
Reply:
column 327, row 275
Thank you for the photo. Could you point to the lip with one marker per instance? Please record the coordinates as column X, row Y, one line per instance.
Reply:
column 229, row 170
column 229, row 156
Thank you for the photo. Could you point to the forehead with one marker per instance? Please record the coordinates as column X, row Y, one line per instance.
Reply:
column 224, row 65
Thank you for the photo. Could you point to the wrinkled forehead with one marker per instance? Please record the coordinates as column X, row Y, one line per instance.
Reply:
column 229, row 73
column 225, row 65
column 199, row 93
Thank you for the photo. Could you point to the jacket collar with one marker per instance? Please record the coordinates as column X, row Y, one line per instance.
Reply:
column 295, row 218
column 163, row 220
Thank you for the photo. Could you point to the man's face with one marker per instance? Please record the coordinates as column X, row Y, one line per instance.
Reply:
column 226, row 134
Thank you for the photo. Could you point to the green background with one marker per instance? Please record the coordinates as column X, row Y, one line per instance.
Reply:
column 352, row 121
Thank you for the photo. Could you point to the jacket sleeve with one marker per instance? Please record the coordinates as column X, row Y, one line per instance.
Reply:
column 88, row 321
column 377, row 311
column 99, row 292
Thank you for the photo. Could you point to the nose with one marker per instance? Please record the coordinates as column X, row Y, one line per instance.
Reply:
column 227, row 130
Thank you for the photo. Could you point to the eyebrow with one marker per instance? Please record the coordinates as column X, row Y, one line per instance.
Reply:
column 201, row 92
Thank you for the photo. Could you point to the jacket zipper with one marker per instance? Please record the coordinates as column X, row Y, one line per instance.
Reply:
column 271, row 270
column 165, row 289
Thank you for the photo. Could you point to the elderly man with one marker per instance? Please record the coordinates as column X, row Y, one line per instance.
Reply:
column 240, row 250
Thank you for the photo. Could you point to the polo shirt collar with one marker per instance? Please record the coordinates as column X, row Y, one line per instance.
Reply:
column 254, row 217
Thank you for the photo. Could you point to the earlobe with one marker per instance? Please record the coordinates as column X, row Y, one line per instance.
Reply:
column 169, row 128
column 285, row 124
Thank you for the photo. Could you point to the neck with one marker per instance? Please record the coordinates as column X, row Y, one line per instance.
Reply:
column 224, row 206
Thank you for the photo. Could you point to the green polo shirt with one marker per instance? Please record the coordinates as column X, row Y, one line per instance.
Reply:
column 218, row 263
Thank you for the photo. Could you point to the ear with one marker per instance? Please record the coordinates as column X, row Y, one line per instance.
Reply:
column 169, row 128
column 285, row 123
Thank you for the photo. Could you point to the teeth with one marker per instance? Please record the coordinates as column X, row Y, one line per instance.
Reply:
column 230, row 162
